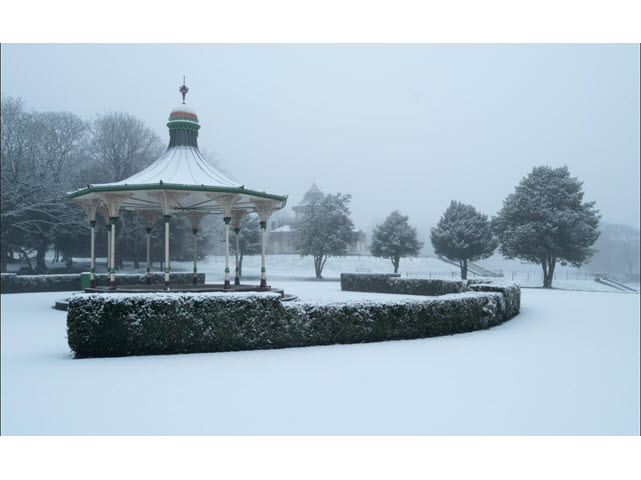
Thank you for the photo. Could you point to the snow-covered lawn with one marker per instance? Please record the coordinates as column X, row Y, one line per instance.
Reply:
column 568, row 364
column 293, row 267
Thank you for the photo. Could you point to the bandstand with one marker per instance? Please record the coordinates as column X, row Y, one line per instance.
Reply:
column 180, row 182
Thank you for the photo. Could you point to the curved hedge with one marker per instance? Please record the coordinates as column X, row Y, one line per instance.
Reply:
column 68, row 282
column 367, row 282
column 109, row 325
column 393, row 283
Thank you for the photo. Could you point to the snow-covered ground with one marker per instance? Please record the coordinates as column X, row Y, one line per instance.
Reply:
column 568, row 364
column 293, row 267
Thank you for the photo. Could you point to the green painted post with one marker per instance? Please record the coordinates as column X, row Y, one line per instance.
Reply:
column 85, row 279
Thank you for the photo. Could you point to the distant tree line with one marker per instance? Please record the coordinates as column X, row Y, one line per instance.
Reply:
column 544, row 221
column 46, row 154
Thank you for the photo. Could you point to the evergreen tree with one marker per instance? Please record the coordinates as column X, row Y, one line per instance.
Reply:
column 395, row 239
column 325, row 230
column 463, row 235
column 545, row 221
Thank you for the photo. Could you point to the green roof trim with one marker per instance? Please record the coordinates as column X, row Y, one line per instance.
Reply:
column 169, row 186
column 177, row 125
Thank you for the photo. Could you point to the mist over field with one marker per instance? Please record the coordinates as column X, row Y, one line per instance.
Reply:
column 408, row 127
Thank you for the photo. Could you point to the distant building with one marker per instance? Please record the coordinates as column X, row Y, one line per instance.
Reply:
column 313, row 195
column 281, row 228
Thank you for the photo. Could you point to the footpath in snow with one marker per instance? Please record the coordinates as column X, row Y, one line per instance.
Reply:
column 567, row 365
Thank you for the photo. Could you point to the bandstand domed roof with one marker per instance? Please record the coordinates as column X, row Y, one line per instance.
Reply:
column 183, row 113
column 181, row 168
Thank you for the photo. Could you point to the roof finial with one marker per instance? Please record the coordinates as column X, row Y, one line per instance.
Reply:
column 183, row 89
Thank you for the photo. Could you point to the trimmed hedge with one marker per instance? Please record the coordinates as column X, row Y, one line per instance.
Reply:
column 510, row 295
column 11, row 283
column 110, row 325
column 427, row 286
column 393, row 283
column 367, row 282
column 39, row 283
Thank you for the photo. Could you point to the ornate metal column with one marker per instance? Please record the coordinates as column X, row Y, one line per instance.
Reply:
column 108, row 226
column 226, row 202
column 112, row 276
column 194, row 220
column 168, row 200
column 148, row 216
column 264, row 208
column 105, row 214
column 113, row 202
column 91, row 207
column 237, row 217
column 167, row 219
column 148, row 272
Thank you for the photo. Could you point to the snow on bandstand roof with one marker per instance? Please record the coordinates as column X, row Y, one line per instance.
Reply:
column 180, row 168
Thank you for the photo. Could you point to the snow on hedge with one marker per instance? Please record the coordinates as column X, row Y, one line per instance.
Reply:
column 108, row 325
column 67, row 282
column 393, row 283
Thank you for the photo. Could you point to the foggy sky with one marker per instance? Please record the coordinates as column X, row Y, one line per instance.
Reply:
column 406, row 127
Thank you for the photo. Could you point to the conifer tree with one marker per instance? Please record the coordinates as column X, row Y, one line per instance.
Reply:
column 546, row 221
column 325, row 230
column 395, row 239
column 464, row 235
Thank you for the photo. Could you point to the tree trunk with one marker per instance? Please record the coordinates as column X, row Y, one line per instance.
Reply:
column 396, row 261
column 4, row 258
column 26, row 257
column 317, row 265
column 40, row 258
column 136, row 262
column 550, row 277
column 547, row 264
column 463, row 265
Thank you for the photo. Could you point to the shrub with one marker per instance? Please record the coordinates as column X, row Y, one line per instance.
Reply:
column 510, row 295
column 427, row 287
column 393, row 283
column 367, row 282
column 10, row 283
column 39, row 283
column 107, row 325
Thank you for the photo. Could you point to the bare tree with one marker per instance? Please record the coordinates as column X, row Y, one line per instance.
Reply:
column 121, row 145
